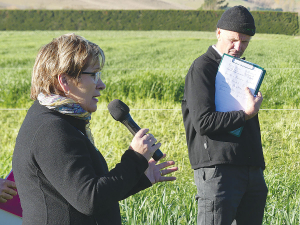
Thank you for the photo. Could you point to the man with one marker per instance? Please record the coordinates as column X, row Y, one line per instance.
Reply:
column 228, row 170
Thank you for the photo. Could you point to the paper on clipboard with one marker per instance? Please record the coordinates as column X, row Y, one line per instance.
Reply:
column 234, row 75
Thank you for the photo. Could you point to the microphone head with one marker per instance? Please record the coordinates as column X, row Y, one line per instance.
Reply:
column 118, row 109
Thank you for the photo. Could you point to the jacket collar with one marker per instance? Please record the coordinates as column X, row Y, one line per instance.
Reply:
column 213, row 54
column 77, row 123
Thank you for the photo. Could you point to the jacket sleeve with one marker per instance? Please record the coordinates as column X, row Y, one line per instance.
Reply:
column 65, row 161
column 142, row 184
column 200, row 97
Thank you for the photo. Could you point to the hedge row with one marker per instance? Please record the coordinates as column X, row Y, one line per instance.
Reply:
column 193, row 20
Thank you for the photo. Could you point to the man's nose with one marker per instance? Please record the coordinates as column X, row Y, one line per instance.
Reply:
column 238, row 45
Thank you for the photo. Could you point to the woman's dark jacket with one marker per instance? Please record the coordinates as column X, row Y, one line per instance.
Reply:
column 62, row 178
column 207, row 131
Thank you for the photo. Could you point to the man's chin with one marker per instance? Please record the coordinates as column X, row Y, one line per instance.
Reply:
column 237, row 55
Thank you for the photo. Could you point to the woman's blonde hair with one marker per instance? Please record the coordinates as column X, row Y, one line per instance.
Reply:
column 68, row 54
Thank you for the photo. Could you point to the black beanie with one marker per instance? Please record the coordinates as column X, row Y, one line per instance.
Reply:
column 237, row 19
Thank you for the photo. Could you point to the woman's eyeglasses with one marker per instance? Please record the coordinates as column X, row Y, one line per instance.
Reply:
column 95, row 75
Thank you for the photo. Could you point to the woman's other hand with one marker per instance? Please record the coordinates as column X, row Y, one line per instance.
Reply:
column 156, row 174
column 144, row 143
column 7, row 190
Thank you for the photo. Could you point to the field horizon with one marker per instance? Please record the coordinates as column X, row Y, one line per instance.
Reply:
column 146, row 70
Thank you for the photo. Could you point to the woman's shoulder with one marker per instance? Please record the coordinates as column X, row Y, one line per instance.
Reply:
column 42, row 125
column 39, row 116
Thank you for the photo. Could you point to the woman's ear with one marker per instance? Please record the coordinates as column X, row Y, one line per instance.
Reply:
column 63, row 83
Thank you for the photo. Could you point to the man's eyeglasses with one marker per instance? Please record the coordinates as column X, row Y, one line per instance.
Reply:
column 95, row 75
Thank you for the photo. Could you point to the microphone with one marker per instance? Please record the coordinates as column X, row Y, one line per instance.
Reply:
column 120, row 112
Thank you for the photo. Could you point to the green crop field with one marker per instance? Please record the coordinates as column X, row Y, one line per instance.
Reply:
column 146, row 70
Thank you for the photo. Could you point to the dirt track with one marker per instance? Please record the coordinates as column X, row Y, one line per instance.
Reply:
column 98, row 4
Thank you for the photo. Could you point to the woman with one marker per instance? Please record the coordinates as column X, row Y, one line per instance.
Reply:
column 60, row 175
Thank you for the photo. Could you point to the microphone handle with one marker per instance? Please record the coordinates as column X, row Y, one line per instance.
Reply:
column 134, row 128
column 131, row 125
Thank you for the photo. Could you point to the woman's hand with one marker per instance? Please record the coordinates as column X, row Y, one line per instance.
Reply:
column 144, row 143
column 7, row 190
column 155, row 174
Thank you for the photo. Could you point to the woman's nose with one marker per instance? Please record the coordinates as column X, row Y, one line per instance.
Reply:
column 100, row 85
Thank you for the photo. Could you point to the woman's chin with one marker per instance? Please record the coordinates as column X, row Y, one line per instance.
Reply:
column 93, row 107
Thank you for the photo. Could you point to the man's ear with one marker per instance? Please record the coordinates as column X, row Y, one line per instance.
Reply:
column 218, row 33
column 63, row 83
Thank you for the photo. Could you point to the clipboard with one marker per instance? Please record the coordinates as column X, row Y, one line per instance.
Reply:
column 11, row 211
column 233, row 76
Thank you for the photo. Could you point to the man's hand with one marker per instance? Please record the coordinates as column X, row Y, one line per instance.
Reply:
column 253, row 104
column 7, row 190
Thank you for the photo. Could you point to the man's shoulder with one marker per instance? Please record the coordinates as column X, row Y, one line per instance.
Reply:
column 209, row 57
column 207, row 61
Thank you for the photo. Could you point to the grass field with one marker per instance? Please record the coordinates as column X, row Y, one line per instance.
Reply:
column 146, row 70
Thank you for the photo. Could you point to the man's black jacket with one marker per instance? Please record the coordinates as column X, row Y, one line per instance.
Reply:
column 208, row 140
